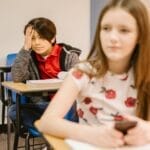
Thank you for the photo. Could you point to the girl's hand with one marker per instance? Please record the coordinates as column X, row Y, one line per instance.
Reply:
column 106, row 136
column 140, row 134
column 28, row 38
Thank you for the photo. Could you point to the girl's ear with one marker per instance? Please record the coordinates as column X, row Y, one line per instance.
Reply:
column 138, row 41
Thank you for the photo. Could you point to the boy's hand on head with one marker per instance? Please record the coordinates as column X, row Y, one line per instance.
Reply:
column 138, row 135
column 28, row 38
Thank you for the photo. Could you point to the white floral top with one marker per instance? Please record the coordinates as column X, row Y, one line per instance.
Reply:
column 104, row 99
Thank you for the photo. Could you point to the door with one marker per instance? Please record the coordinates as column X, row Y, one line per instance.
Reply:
column 96, row 7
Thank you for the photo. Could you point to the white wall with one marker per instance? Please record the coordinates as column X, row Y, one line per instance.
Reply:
column 72, row 19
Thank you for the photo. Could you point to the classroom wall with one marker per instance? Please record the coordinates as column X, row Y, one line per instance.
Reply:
column 72, row 18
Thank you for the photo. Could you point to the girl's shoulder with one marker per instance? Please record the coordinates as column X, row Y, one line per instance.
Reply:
column 80, row 74
column 85, row 68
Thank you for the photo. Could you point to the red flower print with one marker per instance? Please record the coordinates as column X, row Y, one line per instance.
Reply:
column 87, row 100
column 80, row 113
column 130, row 102
column 93, row 110
column 77, row 74
column 110, row 94
column 118, row 118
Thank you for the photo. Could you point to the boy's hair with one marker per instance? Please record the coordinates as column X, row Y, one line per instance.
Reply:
column 44, row 27
column 141, row 56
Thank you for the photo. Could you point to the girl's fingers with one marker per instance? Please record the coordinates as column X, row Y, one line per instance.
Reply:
column 131, row 118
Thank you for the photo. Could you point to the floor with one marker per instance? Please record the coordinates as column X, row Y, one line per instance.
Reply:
column 3, row 138
column 3, row 142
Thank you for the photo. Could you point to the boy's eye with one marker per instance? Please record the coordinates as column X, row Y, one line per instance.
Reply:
column 33, row 38
column 41, row 38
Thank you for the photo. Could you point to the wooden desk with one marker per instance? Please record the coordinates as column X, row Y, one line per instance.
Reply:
column 58, row 143
column 27, row 90
column 32, row 89
column 55, row 142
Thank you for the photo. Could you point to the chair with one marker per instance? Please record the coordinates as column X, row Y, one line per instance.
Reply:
column 3, row 71
column 10, row 58
column 9, row 62
column 71, row 115
column 31, row 132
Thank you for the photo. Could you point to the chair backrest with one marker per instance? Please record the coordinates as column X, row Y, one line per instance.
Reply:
column 10, row 59
column 9, row 62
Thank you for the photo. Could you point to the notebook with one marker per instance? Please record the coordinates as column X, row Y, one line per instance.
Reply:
column 76, row 145
column 46, row 82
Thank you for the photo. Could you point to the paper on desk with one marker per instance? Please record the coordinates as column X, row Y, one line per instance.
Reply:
column 44, row 81
column 62, row 75
column 76, row 145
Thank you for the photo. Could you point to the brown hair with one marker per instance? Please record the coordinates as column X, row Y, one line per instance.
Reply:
column 44, row 27
column 141, row 57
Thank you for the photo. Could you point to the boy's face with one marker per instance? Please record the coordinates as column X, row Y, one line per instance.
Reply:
column 41, row 46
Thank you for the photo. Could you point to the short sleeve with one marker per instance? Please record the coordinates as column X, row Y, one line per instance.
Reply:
column 80, row 78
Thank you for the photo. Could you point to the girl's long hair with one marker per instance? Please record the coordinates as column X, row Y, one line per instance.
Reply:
column 140, row 60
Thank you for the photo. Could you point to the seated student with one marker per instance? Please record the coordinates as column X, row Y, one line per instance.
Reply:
column 112, row 84
column 40, row 58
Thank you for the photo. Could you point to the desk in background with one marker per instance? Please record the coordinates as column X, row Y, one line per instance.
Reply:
column 27, row 90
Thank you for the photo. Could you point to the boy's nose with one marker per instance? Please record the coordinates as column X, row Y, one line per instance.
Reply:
column 37, row 41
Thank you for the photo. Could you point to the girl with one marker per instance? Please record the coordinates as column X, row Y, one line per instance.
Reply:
column 112, row 84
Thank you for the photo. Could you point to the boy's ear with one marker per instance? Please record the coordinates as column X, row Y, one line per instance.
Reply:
column 53, row 40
